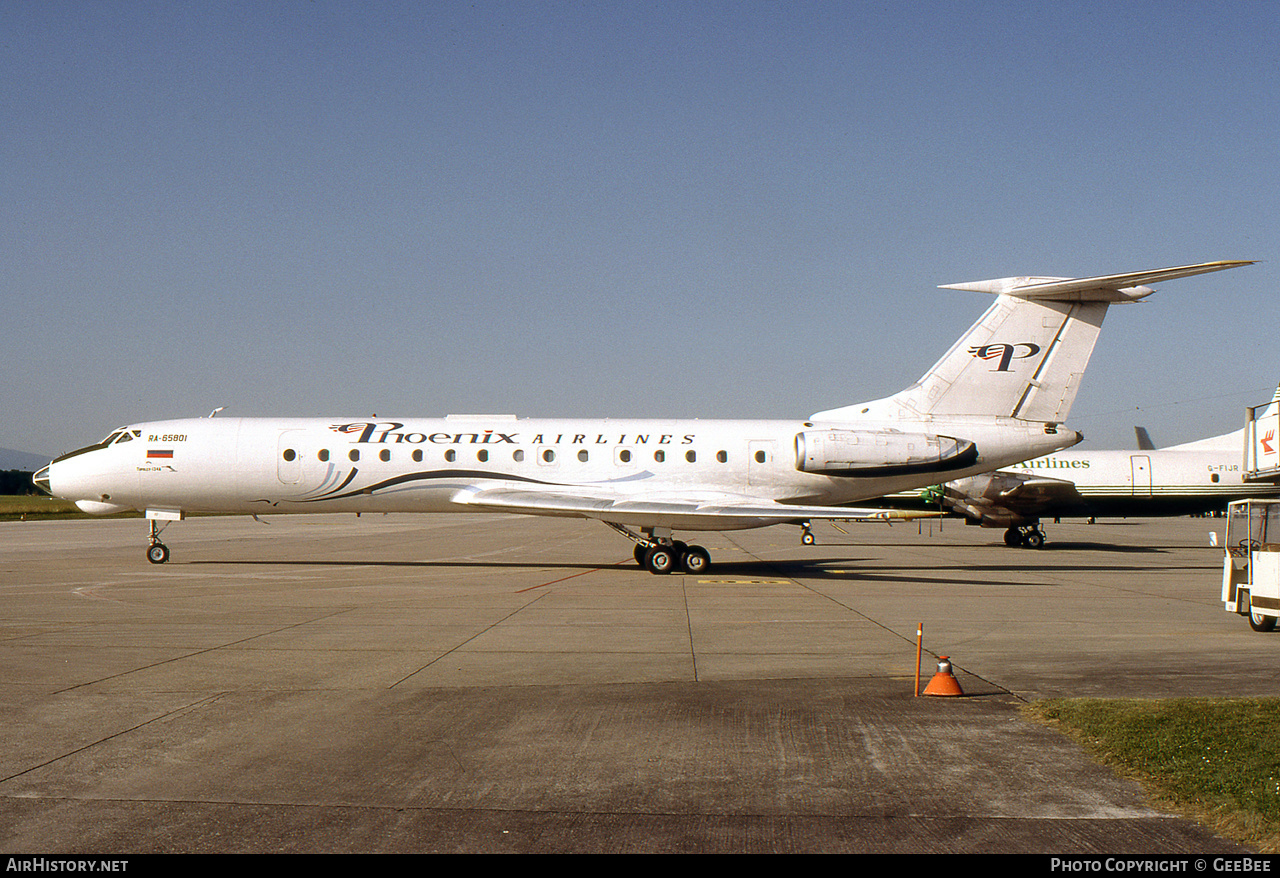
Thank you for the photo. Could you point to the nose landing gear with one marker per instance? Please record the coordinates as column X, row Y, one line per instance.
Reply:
column 157, row 552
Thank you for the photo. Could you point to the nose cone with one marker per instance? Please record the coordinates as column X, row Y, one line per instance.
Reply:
column 88, row 480
column 41, row 480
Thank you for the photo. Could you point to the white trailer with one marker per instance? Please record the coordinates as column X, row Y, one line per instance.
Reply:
column 1251, row 565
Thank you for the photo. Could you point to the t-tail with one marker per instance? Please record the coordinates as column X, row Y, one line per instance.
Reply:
column 1025, row 357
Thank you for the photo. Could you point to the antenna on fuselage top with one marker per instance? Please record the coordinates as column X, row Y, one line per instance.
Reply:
column 215, row 411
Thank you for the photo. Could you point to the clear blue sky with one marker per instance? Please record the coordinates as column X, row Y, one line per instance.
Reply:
column 618, row 208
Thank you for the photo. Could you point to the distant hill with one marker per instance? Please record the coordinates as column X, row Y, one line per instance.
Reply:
column 24, row 460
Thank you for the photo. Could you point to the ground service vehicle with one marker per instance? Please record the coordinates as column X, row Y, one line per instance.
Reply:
column 1251, row 562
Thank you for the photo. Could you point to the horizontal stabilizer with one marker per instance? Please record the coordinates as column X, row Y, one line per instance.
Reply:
column 1106, row 288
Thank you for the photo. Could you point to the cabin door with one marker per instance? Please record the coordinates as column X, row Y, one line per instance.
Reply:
column 1141, row 465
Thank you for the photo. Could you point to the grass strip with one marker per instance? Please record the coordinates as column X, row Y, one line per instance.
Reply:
column 30, row 507
column 1214, row 760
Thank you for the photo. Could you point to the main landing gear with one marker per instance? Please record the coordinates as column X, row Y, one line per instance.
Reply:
column 1026, row 537
column 658, row 553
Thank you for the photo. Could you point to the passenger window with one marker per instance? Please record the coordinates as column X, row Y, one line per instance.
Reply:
column 417, row 455
column 722, row 456
column 323, row 455
column 518, row 455
column 384, row 455
column 451, row 455
column 691, row 456
column 482, row 455
column 582, row 455
column 760, row 457
column 548, row 455
column 624, row 455
column 354, row 454
column 659, row 456
column 290, row 454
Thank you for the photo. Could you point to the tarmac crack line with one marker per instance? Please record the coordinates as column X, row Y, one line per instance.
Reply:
column 485, row 630
column 565, row 578
column 178, row 658
column 168, row 713
column 688, row 618
column 882, row 626
column 1140, row 814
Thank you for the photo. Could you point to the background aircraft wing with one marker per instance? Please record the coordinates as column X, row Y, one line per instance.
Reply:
column 687, row 512
column 997, row 495
column 1040, row 493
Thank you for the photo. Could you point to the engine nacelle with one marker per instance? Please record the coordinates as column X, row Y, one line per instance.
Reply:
column 880, row 453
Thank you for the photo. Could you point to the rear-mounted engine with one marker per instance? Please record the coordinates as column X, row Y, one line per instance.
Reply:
column 880, row 453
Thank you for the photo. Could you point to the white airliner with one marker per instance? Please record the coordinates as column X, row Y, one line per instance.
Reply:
column 998, row 396
column 1195, row 477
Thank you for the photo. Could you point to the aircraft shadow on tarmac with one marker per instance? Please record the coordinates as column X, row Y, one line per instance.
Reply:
column 729, row 572
column 849, row 567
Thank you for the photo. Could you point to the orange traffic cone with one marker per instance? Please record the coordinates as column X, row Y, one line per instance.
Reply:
column 943, row 682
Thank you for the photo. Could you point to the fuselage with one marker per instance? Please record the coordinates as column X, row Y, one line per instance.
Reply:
column 267, row 465
column 1170, row 481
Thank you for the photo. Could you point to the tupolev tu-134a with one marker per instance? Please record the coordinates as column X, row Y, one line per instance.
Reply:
column 1000, row 395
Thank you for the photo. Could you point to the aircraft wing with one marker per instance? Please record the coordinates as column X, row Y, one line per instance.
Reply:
column 686, row 512
column 1039, row 493
column 996, row 496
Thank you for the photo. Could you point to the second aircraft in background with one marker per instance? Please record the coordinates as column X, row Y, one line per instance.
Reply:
column 1187, row 479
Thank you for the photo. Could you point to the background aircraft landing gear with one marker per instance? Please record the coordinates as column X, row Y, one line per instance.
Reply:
column 806, row 535
column 1029, row 537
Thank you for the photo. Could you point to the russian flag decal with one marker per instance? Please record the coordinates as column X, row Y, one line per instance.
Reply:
column 166, row 453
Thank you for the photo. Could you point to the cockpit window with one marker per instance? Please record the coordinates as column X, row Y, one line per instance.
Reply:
column 121, row 435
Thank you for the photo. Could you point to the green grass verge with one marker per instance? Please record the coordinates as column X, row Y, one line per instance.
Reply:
column 1215, row 760
column 29, row 507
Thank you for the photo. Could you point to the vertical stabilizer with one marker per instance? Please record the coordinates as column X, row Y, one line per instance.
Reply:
column 1022, row 359
column 1026, row 356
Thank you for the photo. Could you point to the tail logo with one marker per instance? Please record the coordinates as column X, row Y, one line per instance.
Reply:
column 1006, row 353
column 1266, row 442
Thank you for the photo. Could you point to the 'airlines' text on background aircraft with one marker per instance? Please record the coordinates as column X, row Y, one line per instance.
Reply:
column 1194, row 477
column 997, row 397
